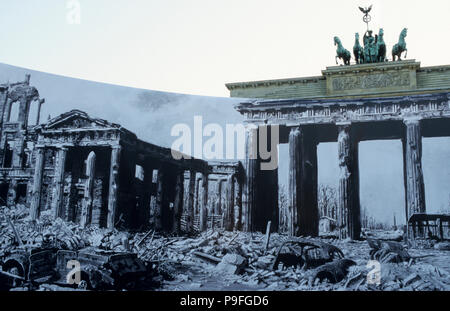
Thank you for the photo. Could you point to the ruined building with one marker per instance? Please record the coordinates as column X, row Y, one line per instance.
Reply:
column 91, row 171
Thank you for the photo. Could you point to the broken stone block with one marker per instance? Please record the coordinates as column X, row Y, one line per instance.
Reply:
column 232, row 264
column 443, row 246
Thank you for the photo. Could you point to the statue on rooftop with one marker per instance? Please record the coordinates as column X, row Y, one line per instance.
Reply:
column 358, row 51
column 370, row 47
column 341, row 52
column 400, row 47
column 374, row 47
column 381, row 47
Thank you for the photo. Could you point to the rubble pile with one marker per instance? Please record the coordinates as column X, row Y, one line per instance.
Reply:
column 217, row 260
column 16, row 221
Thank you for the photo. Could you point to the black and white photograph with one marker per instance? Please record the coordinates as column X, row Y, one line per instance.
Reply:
column 238, row 147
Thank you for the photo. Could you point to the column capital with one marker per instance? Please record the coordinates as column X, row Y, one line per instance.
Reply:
column 251, row 126
column 412, row 121
column 343, row 124
column 295, row 130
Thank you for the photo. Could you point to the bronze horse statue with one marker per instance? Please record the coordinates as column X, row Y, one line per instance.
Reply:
column 341, row 52
column 381, row 46
column 400, row 47
column 358, row 50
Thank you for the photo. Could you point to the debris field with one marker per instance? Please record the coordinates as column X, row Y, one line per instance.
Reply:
column 212, row 260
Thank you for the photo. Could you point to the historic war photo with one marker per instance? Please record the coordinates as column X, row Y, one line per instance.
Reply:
column 132, row 160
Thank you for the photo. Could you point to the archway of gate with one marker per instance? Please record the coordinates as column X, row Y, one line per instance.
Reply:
column 382, row 192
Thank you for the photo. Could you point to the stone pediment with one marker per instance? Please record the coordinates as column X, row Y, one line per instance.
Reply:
column 76, row 119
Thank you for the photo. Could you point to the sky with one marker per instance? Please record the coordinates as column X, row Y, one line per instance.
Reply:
column 195, row 47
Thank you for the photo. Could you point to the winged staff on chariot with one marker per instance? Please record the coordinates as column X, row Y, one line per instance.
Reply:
column 374, row 49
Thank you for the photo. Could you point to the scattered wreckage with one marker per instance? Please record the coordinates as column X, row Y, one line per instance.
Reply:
column 327, row 259
column 56, row 262
column 98, row 269
column 306, row 254
column 387, row 251
column 37, row 259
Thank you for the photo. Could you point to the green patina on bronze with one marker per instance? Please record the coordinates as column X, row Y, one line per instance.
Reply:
column 374, row 49
column 341, row 52
column 400, row 47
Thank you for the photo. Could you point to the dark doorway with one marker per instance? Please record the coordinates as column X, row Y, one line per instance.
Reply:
column 21, row 194
column 7, row 160
column 3, row 193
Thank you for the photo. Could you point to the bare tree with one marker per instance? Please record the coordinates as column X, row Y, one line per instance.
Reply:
column 327, row 201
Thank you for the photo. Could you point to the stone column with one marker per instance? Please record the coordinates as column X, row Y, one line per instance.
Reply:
column 190, row 207
column 145, row 203
column 12, row 193
column 412, row 157
column 204, row 206
column 38, row 117
column 251, row 171
column 295, row 173
column 157, row 213
column 113, row 185
column 86, row 215
column 24, row 103
column 58, row 183
column 218, row 206
column 348, row 204
column 37, row 183
column 178, row 202
column 197, row 196
column 237, row 204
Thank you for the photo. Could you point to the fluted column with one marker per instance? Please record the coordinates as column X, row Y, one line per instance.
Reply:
column 178, row 202
column 37, row 183
column 295, row 167
column 251, row 171
column 204, row 205
column 113, row 185
column 349, row 209
column 86, row 215
column 191, row 199
column 237, row 204
column 159, row 200
column 58, row 182
column 412, row 157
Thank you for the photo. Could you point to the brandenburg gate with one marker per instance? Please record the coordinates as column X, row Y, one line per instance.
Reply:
column 346, row 104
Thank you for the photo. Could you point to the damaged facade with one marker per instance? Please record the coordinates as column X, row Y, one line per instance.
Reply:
column 90, row 171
